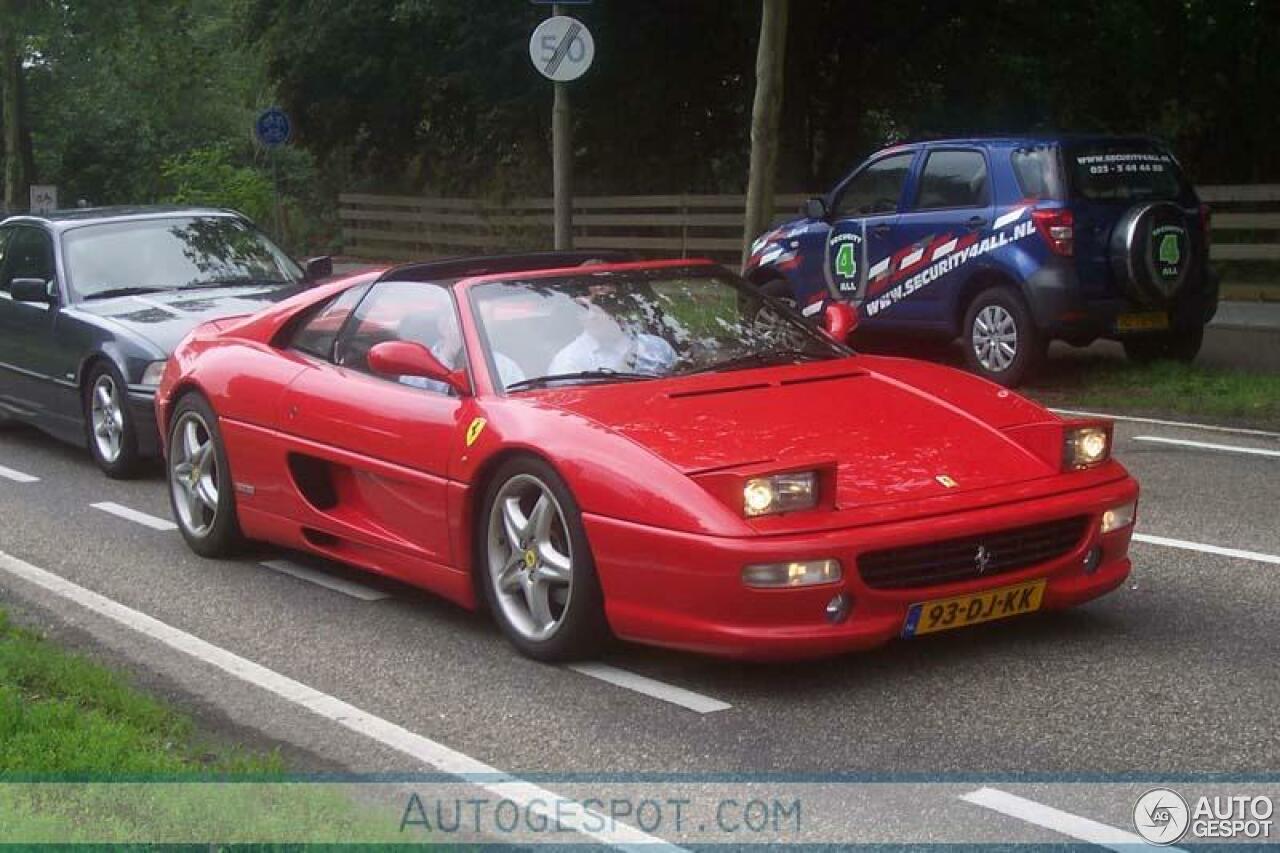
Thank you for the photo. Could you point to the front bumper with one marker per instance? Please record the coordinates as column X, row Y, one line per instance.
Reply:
column 684, row 590
column 142, row 409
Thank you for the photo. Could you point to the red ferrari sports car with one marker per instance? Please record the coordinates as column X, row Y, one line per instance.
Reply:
column 650, row 450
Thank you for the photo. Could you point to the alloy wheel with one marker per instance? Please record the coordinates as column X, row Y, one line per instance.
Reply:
column 530, row 557
column 107, row 418
column 995, row 338
column 193, row 474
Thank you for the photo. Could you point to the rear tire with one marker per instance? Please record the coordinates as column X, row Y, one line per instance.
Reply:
column 200, row 491
column 535, row 565
column 1178, row 345
column 1001, row 341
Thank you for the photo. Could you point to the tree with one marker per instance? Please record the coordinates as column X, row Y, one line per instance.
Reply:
column 15, row 19
column 770, row 55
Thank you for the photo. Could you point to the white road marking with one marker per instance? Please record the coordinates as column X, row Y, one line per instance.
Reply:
column 341, row 585
column 133, row 515
column 1230, row 448
column 650, row 687
column 1239, row 554
column 17, row 476
column 537, row 800
column 1161, row 422
column 1063, row 823
column 1012, row 216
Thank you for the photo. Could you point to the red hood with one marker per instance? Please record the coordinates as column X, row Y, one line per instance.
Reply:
column 890, row 440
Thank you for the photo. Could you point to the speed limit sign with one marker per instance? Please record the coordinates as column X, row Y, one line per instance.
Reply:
column 561, row 48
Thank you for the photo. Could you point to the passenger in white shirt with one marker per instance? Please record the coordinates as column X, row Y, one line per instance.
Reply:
column 605, row 345
column 447, row 348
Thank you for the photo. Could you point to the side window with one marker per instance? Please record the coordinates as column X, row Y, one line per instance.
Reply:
column 876, row 189
column 6, row 235
column 1037, row 172
column 28, row 254
column 319, row 328
column 403, row 311
column 954, row 179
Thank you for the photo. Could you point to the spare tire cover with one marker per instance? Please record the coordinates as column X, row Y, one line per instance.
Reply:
column 1151, row 251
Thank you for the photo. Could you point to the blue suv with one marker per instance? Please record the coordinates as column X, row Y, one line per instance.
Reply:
column 1008, row 244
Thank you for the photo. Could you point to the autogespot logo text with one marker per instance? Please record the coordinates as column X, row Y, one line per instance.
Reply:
column 1161, row 816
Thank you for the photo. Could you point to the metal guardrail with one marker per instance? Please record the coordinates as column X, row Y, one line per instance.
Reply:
column 1245, row 225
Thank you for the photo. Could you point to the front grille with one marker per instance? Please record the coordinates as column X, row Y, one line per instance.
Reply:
column 958, row 559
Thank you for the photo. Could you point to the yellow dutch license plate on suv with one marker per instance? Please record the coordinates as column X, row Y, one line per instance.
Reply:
column 1150, row 321
column 943, row 614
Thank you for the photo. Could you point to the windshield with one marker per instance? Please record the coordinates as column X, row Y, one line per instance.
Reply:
column 636, row 325
column 166, row 254
column 1120, row 171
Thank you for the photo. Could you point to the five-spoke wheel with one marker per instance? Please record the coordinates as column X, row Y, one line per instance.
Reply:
column 199, row 480
column 537, row 570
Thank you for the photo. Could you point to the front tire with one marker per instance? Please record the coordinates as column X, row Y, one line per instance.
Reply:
column 1001, row 341
column 109, row 425
column 535, row 564
column 200, row 491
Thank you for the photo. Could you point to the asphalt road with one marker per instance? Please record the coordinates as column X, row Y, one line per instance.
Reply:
column 1175, row 673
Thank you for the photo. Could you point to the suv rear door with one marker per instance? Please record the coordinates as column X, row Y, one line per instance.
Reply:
column 1105, row 177
column 951, row 198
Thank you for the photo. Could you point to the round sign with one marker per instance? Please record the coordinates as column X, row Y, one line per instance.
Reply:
column 272, row 127
column 561, row 48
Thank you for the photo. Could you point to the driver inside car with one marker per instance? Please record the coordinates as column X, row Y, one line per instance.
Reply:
column 606, row 344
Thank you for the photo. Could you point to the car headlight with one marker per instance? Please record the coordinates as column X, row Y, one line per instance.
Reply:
column 1085, row 447
column 797, row 573
column 151, row 376
column 1118, row 517
column 780, row 493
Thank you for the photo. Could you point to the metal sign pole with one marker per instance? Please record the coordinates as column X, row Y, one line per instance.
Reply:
column 562, row 162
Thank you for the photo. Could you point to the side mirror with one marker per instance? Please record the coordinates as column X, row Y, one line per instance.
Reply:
column 406, row 358
column 32, row 290
column 318, row 268
column 814, row 208
column 839, row 321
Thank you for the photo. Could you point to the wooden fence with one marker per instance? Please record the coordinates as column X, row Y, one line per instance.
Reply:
column 1246, row 226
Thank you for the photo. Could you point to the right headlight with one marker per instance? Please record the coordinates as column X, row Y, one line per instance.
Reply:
column 1085, row 447
column 780, row 493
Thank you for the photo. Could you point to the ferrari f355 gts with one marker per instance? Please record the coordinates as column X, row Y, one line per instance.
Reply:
column 653, row 451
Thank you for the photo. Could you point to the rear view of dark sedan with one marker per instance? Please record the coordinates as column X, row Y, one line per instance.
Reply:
column 92, row 302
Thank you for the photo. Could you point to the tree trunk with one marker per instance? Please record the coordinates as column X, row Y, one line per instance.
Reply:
column 764, row 120
column 17, row 176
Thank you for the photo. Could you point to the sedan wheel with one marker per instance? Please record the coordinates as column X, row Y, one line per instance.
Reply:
column 193, row 475
column 537, row 571
column 112, row 439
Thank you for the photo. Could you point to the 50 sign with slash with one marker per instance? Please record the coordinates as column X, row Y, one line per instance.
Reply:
column 561, row 48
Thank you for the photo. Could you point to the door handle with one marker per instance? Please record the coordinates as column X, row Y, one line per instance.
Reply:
column 879, row 230
column 975, row 222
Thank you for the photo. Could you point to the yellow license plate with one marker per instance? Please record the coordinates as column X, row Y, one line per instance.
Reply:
column 943, row 614
column 1153, row 321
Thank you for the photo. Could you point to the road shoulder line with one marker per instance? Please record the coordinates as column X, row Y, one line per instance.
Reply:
column 651, row 687
column 128, row 514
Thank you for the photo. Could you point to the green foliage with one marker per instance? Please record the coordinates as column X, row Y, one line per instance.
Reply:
column 206, row 176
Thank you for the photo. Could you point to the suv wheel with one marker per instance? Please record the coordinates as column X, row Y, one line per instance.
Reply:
column 1177, row 345
column 1001, row 342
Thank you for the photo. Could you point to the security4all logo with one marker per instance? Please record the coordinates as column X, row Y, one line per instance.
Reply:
column 1161, row 816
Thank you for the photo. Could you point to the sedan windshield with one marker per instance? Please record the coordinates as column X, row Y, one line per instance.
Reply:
column 149, row 255
column 636, row 325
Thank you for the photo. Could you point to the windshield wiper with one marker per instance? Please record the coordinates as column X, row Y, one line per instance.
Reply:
column 760, row 359
column 603, row 374
column 124, row 291
column 235, row 282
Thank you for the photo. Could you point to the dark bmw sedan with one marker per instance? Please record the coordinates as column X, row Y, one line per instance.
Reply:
column 92, row 302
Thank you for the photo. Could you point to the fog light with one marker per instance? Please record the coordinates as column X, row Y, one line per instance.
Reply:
column 799, row 573
column 838, row 608
column 1093, row 559
column 1118, row 517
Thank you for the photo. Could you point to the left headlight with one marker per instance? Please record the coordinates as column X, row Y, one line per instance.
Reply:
column 151, row 376
column 1085, row 447
column 780, row 493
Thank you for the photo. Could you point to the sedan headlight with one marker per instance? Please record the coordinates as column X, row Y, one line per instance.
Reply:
column 1118, row 517
column 797, row 573
column 1085, row 447
column 151, row 376
column 780, row 493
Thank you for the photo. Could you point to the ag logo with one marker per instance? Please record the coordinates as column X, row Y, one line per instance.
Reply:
column 1161, row 816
